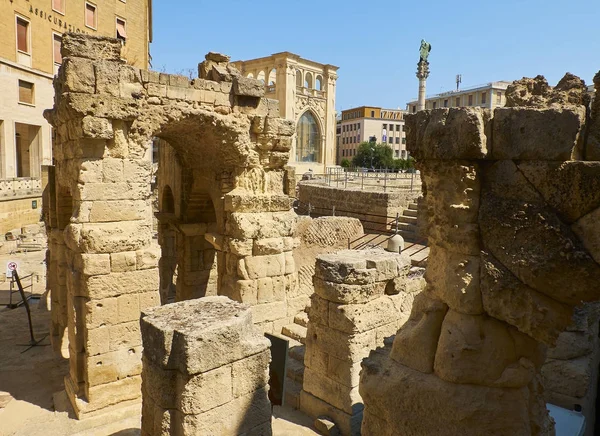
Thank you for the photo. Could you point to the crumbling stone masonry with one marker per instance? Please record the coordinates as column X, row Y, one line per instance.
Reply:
column 205, row 370
column 361, row 298
column 231, row 146
column 515, row 246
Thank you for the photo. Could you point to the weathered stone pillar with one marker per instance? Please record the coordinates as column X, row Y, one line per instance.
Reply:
column 205, row 370
column 104, row 218
column 359, row 301
column 513, row 251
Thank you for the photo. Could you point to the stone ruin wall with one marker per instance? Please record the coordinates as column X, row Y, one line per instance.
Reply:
column 357, row 204
column 103, row 269
column 515, row 246
column 361, row 299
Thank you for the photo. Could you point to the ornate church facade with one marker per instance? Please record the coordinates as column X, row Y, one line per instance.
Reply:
column 306, row 93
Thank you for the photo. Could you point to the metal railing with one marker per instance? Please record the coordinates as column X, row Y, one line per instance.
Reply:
column 12, row 290
column 372, row 180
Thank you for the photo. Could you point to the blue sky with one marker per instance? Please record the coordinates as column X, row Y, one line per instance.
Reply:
column 375, row 43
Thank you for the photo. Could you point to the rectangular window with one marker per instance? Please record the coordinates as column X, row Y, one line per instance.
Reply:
column 372, row 114
column 26, row 92
column 57, row 39
column 22, row 35
column 391, row 140
column 91, row 19
column 457, row 102
column 397, row 140
column 470, row 100
column 414, row 109
column 58, row 6
column 398, row 127
column 434, row 104
column 384, row 126
column 499, row 98
column 483, row 97
column 445, row 103
column 391, row 127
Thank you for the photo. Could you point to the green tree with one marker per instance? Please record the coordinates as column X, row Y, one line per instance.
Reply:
column 371, row 155
column 345, row 163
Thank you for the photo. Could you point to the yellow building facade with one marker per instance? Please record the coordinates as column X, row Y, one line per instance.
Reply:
column 375, row 124
column 31, row 33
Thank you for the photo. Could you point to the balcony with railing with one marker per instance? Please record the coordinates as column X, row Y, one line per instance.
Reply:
column 310, row 92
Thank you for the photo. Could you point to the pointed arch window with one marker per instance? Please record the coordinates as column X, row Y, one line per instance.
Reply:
column 308, row 140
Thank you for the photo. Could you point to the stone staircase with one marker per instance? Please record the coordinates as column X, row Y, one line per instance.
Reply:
column 296, row 333
column 408, row 223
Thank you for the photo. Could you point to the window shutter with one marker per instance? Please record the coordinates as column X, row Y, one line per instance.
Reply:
column 90, row 15
column 57, row 55
column 121, row 29
column 22, row 35
column 25, row 92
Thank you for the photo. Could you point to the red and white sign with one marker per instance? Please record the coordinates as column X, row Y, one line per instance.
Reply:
column 11, row 266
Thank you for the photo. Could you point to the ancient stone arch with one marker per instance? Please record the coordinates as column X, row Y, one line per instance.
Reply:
column 223, row 151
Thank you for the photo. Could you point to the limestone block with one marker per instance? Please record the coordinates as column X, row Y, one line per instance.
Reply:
column 94, row 127
column 112, row 237
column 248, row 414
column 107, row 77
column 108, row 394
column 454, row 279
column 536, row 134
column 458, row 238
column 128, row 306
column 433, row 404
column 453, row 190
column 157, row 90
column 269, row 311
column 267, row 246
column 227, row 337
column 447, row 134
column 318, row 359
column 297, row 304
column 416, row 342
column 149, row 299
column 78, row 75
column 115, row 284
column 93, row 264
column 125, row 335
column 91, row 47
column 544, row 253
column 205, row 391
column 112, row 191
column 97, row 341
column 571, row 345
column 250, row 374
column 571, row 188
column 159, row 384
column 124, row 261
column 318, row 311
column 147, row 258
column 113, row 366
column 589, row 233
column 265, row 266
column 100, row 313
column 260, row 225
column 342, row 371
column 358, row 318
column 351, row 348
column 241, row 247
column 244, row 86
column 90, row 171
column 246, row 291
column 342, row 397
column 510, row 300
column 482, row 351
column 568, row 377
column 349, row 294
column 112, row 170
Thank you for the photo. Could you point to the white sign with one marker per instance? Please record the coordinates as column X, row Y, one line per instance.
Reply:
column 11, row 266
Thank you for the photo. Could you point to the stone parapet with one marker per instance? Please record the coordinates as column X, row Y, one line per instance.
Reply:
column 511, row 204
column 205, row 370
column 359, row 301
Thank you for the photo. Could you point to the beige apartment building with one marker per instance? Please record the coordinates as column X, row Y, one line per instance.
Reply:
column 31, row 33
column 306, row 93
column 490, row 95
column 369, row 123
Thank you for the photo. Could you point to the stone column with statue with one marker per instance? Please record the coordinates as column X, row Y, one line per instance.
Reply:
column 423, row 73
